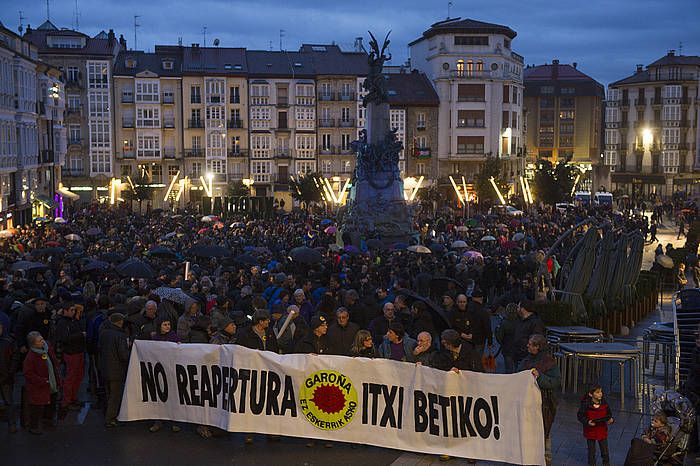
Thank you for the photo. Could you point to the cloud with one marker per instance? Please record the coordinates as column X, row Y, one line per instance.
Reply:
column 606, row 38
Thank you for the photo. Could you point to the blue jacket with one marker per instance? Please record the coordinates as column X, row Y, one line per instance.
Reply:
column 409, row 344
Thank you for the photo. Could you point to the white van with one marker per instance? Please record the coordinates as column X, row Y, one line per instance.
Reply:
column 582, row 198
column 603, row 199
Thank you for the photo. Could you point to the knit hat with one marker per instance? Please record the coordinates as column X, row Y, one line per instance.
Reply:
column 117, row 317
column 299, row 292
column 317, row 321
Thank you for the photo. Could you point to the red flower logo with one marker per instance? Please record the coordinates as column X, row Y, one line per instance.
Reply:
column 329, row 399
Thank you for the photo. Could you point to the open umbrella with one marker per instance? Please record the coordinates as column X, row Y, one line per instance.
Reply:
column 458, row 244
column 351, row 249
column 60, row 220
column 95, row 265
column 374, row 243
column 42, row 219
column 326, row 221
column 488, row 238
column 52, row 244
column 209, row 250
column 664, row 261
column 175, row 295
column 519, row 236
column 94, row 231
column 330, row 230
column 27, row 266
column 73, row 237
column 305, row 255
column 161, row 251
column 472, row 222
column 437, row 248
column 419, row 249
column 400, row 246
column 473, row 254
column 246, row 259
column 6, row 233
column 207, row 218
column 461, row 229
column 112, row 257
column 135, row 268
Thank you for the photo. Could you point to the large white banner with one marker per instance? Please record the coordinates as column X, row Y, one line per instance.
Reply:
column 378, row 402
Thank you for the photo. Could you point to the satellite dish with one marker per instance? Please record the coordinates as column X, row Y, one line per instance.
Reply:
column 216, row 42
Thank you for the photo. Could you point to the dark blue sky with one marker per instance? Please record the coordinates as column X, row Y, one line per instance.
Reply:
column 606, row 38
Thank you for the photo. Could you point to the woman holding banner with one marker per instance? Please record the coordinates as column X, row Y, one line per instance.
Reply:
column 545, row 370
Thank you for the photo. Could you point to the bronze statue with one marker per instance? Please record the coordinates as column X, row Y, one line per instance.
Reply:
column 375, row 83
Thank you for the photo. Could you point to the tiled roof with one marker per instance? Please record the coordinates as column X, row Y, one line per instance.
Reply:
column 263, row 63
column 639, row 77
column 147, row 62
column 412, row 88
column 677, row 60
column 465, row 26
column 92, row 46
column 546, row 73
column 214, row 60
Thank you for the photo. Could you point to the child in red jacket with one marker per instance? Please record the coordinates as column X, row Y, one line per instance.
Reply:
column 595, row 415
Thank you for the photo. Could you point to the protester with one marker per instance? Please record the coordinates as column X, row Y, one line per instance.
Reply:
column 363, row 346
column 397, row 345
column 528, row 325
column 69, row 339
column 315, row 341
column 341, row 333
column 42, row 382
column 457, row 354
column 9, row 363
column 114, row 359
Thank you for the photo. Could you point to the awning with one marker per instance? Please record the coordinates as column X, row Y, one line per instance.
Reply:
column 47, row 201
column 66, row 193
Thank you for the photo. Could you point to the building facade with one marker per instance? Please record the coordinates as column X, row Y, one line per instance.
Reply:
column 651, row 129
column 86, row 63
column 563, row 116
column 479, row 82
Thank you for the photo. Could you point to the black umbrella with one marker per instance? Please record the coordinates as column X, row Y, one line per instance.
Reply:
column 247, row 259
column 207, row 250
column 56, row 251
column 94, row 231
column 135, row 268
column 374, row 243
column 161, row 251
column 440, row 319
column 95, row 265
column 27, row 266
column 305, row 255
column 112, row 257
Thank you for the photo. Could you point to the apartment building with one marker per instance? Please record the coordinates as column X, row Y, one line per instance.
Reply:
column 479, row 81
column 215, row 108
column 86, row 63
column 148, row 121
column 651, row 128
column 414, row 108
column 563, row 116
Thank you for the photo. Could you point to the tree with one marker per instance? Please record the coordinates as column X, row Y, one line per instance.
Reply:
column 237, row 189
column 553, row 183
column 430, row 197
column 482, row 184
column 305, row 190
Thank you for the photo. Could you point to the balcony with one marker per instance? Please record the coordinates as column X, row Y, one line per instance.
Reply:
column 326, row 96
column 46, row 156
column 127, row 98
column 234, row 123
column 471, row 98
column 168, row 99
column 73, row 112
column 625, row 103
column 237, row 152
column 346, row 97
column 282, row 101
column 127, row 123
column 283, row 153
column 169, row 123
column 261, row 177
column 347, row 123
column 328, row 150
column 74, row 142
column 214, row 99
column 72, row 172
column 420, row 126
column 466, row 74
column 235, row 99
column 169, row 153
column 640, row 102
column 346, row 150
column 195, row 123
column 422, row 153
column 194, row 152
column 128, row 153
column 326, row 123
column 148, row 124
column 74, row 84
column 471, row 124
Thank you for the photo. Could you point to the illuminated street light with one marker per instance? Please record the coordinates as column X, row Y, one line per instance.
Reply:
column 647, row 138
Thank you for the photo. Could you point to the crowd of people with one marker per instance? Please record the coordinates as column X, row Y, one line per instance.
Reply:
column 76, row 295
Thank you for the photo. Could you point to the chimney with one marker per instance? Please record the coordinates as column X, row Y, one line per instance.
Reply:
column 29, row 29
column 195, row 46
column 671, row 53
column 122, row 41
column 359, row 47
column 111, row 37
column 555, row 69
column 640, row 68
column 575, row 65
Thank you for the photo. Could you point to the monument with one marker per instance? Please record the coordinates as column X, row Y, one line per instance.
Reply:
column 376, row 207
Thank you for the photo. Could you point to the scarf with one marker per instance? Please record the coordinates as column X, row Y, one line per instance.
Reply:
column 44, row 352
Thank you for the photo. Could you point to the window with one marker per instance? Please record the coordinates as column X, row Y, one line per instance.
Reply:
column 196, row 142
column 215, row 90
column 167, row 64
column 195, row 95
column 672, row 92
column 196, row 169
column 148, row 91
column 73, row 74
column 168, row 96
column 479, row 65
column 74, row 134
column 99, row 133
column 196, row 115
column 567, row 90
column 671, row 113
column 546, row 136
column 326, row 166
column 505, row 119
column 148, row 146
column 305, row 117
column 471, row 40
column 73, row 102
column 566, row 140
column 345, row 114
column 235, row 95
column 260, row 117
column 172, row 171
column 546, row 89
column 612, row 115
column 546, row 102
column 326, row 141
column 260, row 145
column 261, row 171
column 305, row 145
column 566, row 128
column 460, row 67
column 471, row 93
column 470, row 144
column 567, row 102
column 215, row 113
column 216, row 143
column 259, row 94
column 217, row 167
column 420, row 168
column 610, row 158
column 305, row 167
column 127, row 95
column 345, row 142
column 612, row 136
column 613, row 94
column 98, row 74
column 420, row 120
column 148, row 117
column 671, row 136
column 99, row 104
column 670, row 160
column 125, row 170
column 567, row 115
column 506, row 94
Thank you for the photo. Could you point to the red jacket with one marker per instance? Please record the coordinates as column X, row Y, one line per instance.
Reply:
column 600, row 415
column 36, row 375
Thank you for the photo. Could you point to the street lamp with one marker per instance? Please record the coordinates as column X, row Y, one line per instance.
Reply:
column 647, row 138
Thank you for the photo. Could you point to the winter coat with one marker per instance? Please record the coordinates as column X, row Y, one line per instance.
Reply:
column 312, row 344
column 114, row 352
column 29, row 320
column 366, row 353
column 409, row 344
column 36, row 376
column 68, row 336
column 524, row 329
column 184, row 324
column 296, row 330
column 379, row 326
column 600, row 416
column 222, row 338
column 468, row 359
column 9, row 359
column 340, row 338
column 143, row 326
column 248, row 338
column 170, row 336
column 549, row 381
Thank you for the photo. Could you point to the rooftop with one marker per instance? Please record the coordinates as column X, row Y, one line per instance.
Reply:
column 465, row 26
column 412, row 88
